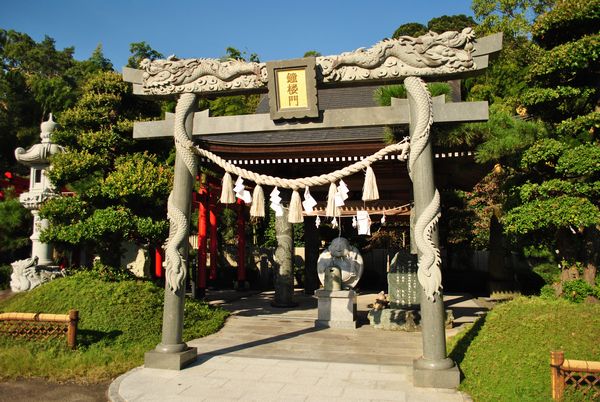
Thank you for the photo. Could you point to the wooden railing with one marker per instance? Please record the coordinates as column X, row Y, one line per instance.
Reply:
column 581, row 375
column 41, row 326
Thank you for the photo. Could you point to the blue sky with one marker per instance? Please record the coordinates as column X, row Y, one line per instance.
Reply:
column 274, row 30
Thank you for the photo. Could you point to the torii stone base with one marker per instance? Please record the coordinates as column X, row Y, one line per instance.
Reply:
column 444, row 378
column 170, row 361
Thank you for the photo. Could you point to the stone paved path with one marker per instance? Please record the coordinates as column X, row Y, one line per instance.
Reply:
column 270, row 354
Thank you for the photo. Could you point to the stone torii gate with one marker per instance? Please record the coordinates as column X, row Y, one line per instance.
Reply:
column 292, row 87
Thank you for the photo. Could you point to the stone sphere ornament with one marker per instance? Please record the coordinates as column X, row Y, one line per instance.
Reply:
column 342, row 256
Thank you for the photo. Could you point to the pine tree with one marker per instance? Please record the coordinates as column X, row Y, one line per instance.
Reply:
column 558, row 200
column 119, row 192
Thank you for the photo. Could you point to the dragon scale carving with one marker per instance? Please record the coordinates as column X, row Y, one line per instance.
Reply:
column 429, row 54
column 201, row 75
column 175, row 263
column 428, row 273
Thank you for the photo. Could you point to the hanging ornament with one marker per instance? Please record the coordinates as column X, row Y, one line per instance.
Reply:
column 309, row 202
column 334, row 223
column 383, row 220
column 330, row 210
column 295, row 213
column 241, row 192
column 276, row 202
column 318, row 221
column 227, row 196
column 370, row 190
column 238, row 188
column 341, row 194
column 354, row 221
column 258, row 203
column 364, row 223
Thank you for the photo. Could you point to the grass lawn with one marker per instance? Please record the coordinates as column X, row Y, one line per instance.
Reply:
column 505, row 356
column 119, row 321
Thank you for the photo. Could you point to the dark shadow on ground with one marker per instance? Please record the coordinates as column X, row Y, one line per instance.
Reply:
column 260, row 304
column 460, row 349
column 202, row 357
column 463, row 311
column 88, row 337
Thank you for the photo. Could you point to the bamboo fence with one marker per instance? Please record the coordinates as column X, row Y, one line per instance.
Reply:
column 579, row 374
column 41, row 326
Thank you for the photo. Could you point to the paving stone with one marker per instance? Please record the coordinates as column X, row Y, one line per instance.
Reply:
column 266, row 354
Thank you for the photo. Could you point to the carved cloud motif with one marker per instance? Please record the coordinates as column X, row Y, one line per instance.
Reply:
column 429, row 54
column 201, row 75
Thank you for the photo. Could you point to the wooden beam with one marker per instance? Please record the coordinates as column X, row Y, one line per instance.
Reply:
column 397, row 114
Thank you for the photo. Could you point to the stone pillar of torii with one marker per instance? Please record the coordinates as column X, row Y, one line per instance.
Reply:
column 412, row 61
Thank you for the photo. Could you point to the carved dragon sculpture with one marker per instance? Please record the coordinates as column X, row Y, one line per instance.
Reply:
column 395, row 57
column 202, row 73
column 429, row 54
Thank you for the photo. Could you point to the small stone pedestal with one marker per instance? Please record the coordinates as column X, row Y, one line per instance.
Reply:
column 170, row 361
column 336, row 308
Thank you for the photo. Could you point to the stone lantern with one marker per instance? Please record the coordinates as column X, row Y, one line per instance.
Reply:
column 40, row 189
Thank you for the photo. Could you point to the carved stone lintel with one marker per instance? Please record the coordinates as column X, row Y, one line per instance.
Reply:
column 201, row 75
column 430, row 54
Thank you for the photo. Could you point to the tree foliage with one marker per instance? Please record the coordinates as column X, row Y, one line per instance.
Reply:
column 140, row 51
column 450, row 23
column 16, row 228
column 36, row 79
column 119, row 190
column 511, row 17
column 554, row 193
column 413, row 29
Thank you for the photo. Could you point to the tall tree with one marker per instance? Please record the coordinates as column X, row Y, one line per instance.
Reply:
column 450, row 23
column 16, row 228
column 559, row 195
column 35, row 79
column 119, row 191
column 140, row 51
column 413, row 29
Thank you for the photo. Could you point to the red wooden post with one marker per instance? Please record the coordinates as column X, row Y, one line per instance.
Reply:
column 158, row 262
column 202, row 212
column 212, row 215
column 241, row 229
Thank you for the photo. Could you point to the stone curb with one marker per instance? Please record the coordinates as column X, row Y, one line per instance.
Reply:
column 113, row 390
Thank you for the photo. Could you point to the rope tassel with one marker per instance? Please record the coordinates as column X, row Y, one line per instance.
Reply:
column 330, row 210
column 257, row 210
column 370, row 190
column 295, row 213
column 227, row 196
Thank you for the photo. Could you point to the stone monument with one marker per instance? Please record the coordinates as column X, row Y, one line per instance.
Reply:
column 403, row 296
column 339, row 269
column 34, row 271
column 402, row 281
